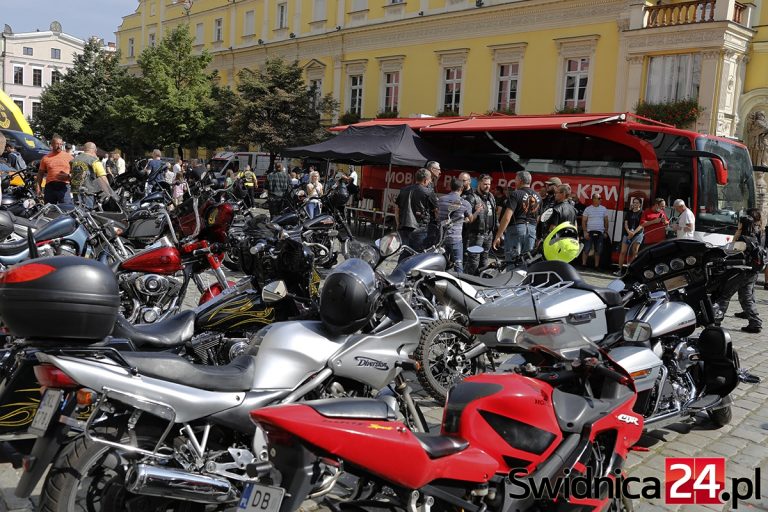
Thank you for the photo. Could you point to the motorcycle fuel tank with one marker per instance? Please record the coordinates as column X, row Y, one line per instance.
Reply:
column 290, row 352
column 666, row 318
column 320, row 222
column 423, row 261
column 155, row 260
column 243, row 310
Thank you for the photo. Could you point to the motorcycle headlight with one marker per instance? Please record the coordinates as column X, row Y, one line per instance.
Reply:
column 29, row 203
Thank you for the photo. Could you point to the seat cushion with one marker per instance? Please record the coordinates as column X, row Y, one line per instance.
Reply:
column 168, row 333
column 234, row 377
column 438, row 446
column 12, row 248
column 357, row 408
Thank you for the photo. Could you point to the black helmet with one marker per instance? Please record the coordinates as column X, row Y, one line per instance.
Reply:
column 348, row 298
column 339, row 196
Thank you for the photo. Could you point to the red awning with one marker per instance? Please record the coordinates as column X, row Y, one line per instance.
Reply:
column 508, row 123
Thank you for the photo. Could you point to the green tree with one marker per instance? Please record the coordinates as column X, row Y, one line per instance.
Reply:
column 77, row 106
column 275, row 108
column 174, row 102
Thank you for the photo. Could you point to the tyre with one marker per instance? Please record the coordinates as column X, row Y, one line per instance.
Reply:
column 440, row 354
column 91, row 476
column 721, row 417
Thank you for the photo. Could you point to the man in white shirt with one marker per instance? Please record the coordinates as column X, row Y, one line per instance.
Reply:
column 594, row 224
column 686, row 223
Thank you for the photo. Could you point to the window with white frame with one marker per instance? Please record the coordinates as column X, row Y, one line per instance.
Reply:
column 673, row 78
column 18, row 75
column 35, row 108
column 249, row 23
column 218, row 29
column 359, row 5
column 152, row 39
column 318, row 10
column 199, row 33
column 56, row 53
column 356, row 94
column 55, row 76
column 507, row 76
column 576, row 81
column 452, row 77
column 20, row 104
column 391, row 91
column 131, row 47
column 282, row 15
column 28, row 51
column 37, row 77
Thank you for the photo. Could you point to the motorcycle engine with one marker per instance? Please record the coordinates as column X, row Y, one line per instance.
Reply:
column 146, row 298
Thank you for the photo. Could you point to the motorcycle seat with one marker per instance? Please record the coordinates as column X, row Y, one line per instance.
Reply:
column 12, row 248
column 502, row 280
column 438, row 446
column 574, row 412
column 353, row 408
column 609, row 297
column 167, row 333
column 236, row 376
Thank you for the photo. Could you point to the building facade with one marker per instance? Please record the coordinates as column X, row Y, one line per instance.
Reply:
column 412, row 57
column 33, row 60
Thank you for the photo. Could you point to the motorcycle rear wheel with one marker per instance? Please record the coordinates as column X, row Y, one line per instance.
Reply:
column 91, row 476
column 439, row 353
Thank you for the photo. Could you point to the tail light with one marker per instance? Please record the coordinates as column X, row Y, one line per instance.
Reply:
column 24, row 273
column 51, row 377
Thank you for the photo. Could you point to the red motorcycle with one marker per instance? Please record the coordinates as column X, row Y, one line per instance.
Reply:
column 153, row 282
column 509, row 442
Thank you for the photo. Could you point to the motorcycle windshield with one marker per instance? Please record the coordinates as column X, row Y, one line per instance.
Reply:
column 558, row 339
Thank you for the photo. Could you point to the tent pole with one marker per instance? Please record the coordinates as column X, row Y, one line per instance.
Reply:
column 384, row 200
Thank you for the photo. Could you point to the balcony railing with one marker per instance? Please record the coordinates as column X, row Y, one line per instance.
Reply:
column 684, row 13
column 696, row 11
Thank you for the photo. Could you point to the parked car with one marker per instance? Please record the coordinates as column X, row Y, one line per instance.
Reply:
column 30, row 147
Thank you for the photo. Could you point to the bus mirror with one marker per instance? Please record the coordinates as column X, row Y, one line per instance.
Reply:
column 721, row 173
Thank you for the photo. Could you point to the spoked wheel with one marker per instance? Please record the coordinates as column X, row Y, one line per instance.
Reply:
column 441, row 350
column 89, row 476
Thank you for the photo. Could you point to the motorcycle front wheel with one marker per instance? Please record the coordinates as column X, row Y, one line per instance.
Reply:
column 91, row 476
column 441, row 356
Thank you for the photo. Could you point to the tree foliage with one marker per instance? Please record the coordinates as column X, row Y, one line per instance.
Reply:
column 275, row 109
column 173, row 102
column 77, row 106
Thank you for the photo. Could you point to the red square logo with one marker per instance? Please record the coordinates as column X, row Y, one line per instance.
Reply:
column 697, row 480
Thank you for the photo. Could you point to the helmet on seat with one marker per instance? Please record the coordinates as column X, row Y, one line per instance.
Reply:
column 349, row 296
column 562, row 243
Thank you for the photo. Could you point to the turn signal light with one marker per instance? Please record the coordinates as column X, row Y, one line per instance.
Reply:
column 51, row 377
column 84, row 397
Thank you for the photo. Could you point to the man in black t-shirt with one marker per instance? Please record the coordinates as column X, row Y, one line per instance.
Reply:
column 518, row 224
column 415, row 207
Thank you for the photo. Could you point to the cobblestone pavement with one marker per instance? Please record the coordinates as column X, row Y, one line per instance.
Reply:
column 742, row 443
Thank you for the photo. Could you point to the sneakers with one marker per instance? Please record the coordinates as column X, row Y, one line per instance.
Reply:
column 752, row 329
column 741, row 315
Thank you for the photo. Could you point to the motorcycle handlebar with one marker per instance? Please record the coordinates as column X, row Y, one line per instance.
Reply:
column 613, row 375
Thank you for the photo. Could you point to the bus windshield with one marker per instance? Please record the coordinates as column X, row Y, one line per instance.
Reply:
column 720, row 205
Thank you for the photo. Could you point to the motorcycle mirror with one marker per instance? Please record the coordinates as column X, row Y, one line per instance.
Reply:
column 389, row 244
column 637, row 331
column 475, row 249
column 274, row 292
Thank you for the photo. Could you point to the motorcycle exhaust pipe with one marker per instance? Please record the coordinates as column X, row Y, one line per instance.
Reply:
column 176, row 484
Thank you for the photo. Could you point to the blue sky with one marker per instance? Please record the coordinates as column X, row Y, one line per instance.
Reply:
column 80, row 18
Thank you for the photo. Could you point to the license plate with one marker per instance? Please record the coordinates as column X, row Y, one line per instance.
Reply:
column 261, row 498
column 49, row 404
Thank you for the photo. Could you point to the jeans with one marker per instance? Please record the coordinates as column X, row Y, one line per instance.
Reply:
column 518, row 239
column 313, row 209
column 744, row 285
column 454, row 249
column 57, row 193
column 478, row 261
column 413, row 238
column 432, row 236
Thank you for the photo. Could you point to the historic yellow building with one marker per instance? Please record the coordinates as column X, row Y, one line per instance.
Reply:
column 524, row 56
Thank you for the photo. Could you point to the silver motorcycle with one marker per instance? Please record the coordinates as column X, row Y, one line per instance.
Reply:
column 163, row 429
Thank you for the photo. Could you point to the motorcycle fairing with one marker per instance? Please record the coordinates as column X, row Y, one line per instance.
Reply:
column 391, row 450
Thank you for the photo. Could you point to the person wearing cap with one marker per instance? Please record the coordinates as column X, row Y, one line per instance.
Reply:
column 594, row 224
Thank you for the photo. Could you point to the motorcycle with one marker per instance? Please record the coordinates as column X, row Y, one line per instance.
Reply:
column 566, row 416
column 19, row 197
column 189, row 423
